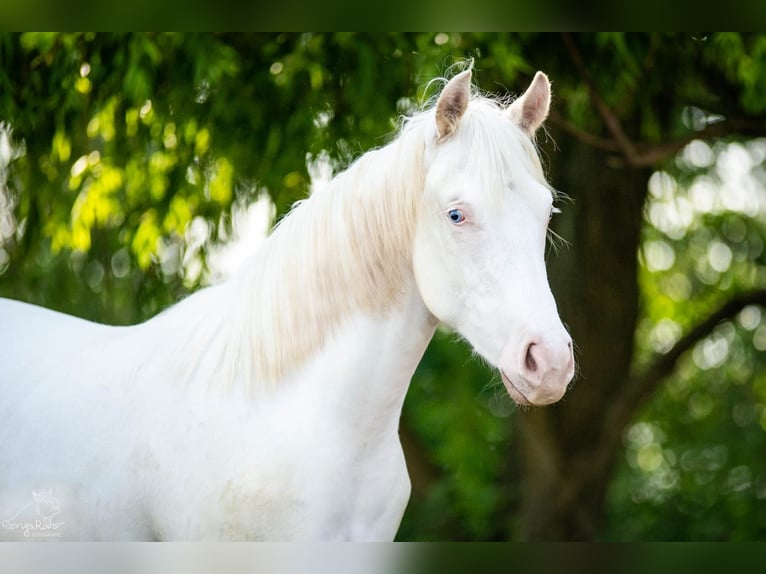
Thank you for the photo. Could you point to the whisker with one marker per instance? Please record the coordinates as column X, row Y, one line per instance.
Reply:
column 556, row 241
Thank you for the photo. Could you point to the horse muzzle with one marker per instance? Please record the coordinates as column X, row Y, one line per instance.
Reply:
column 541, row 373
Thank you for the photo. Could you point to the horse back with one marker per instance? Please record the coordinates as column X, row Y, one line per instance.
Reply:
column 35, row 341
column 59, row 382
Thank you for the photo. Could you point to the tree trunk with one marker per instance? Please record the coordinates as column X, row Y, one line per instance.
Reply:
column 567, row 450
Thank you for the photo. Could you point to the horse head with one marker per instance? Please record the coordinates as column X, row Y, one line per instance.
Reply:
column 479, row 247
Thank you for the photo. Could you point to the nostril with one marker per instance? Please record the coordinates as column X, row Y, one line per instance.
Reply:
column 529, row 361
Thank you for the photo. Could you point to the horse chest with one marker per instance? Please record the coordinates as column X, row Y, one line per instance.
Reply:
column 269, row 476
column 316, row 493
column 327, row 463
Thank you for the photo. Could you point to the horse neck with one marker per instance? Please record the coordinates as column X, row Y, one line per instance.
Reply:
column 361, row 375
column 344, row 252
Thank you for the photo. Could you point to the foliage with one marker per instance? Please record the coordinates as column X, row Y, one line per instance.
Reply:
column 123, row 156
column 693, row 467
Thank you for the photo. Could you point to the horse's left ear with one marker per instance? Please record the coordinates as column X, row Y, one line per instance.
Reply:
column 452, row 103
column 530, row 110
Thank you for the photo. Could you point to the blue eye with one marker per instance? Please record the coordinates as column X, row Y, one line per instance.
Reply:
column 456, row 216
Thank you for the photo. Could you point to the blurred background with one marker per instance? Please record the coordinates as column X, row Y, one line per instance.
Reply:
column 135, row 168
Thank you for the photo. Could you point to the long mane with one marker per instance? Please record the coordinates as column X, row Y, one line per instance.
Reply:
column 345, row 248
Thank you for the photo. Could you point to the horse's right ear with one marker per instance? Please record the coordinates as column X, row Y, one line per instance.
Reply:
column 452, row 103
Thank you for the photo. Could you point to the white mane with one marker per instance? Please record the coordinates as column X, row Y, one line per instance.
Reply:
column 346, row 248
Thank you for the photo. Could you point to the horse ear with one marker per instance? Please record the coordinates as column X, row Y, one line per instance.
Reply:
column 530, row 110
column 452, row 104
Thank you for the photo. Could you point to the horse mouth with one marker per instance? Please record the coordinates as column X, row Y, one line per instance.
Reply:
column 513, row 391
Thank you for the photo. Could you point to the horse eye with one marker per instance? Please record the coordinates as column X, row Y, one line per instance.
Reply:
column 456, row 216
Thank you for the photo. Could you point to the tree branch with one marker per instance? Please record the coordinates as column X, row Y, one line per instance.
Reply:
column 647, row 67
column 639, row 388
column 586, row 137
column 654, row 153
column 642, row 386
column 648, row 155
column 643, row 155
column 607, row 115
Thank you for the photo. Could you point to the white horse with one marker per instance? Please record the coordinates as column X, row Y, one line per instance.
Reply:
column 267, row 407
